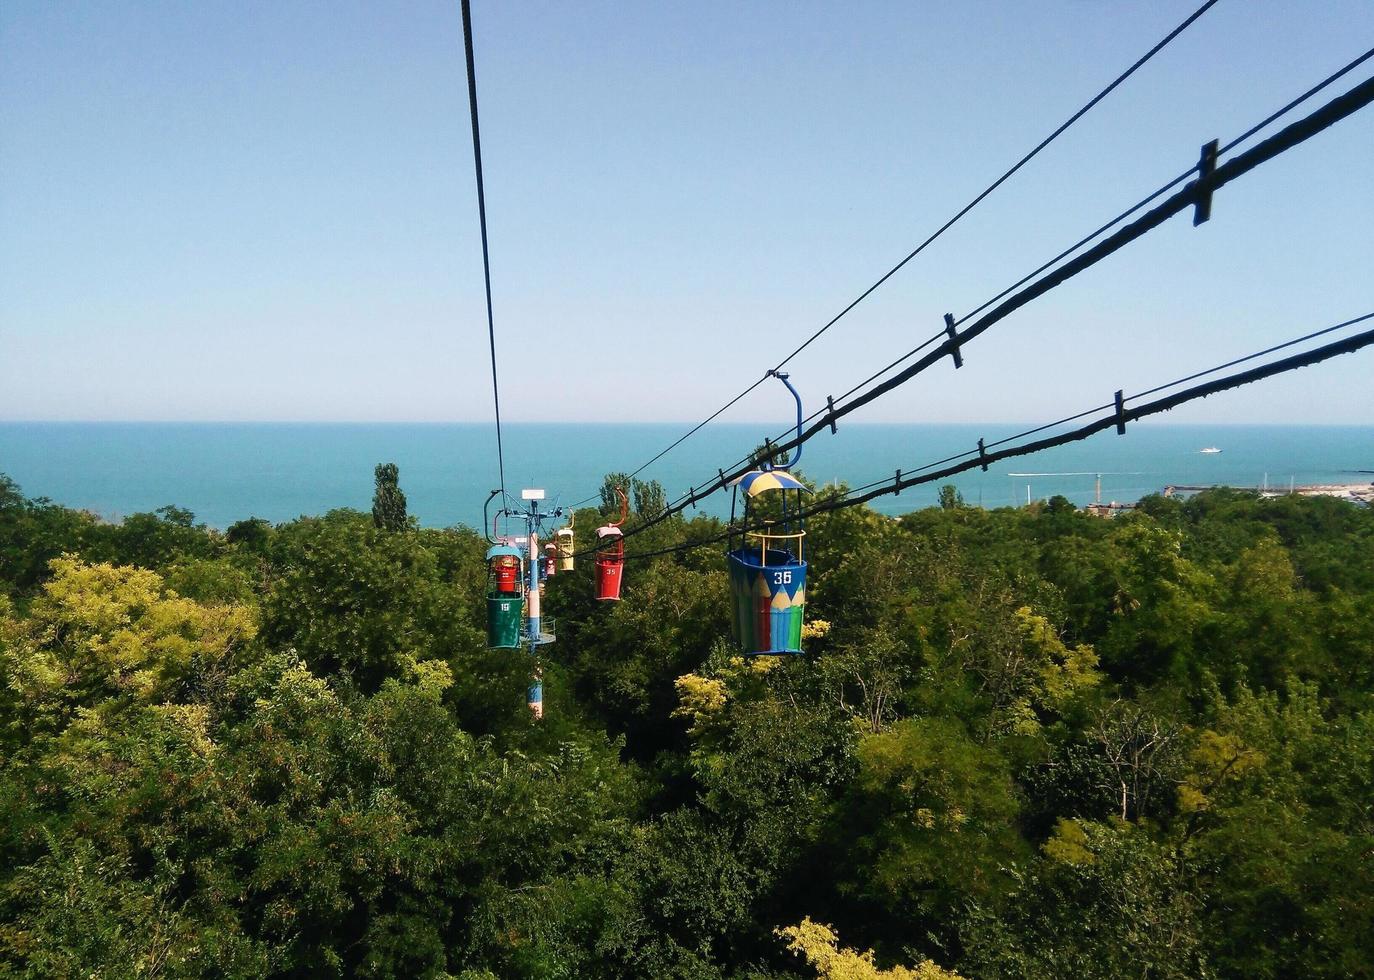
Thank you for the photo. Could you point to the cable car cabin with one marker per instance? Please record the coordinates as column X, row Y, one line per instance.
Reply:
column 610, row 561
column 767, row 568
column 610, row 553
column 563, row 539
column 550, row 560
column 505, row 595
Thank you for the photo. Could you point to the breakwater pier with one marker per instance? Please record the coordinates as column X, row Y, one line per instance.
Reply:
column 1360, row 493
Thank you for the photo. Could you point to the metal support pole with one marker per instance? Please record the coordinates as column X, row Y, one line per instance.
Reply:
column 534, row 627
column 535, row 697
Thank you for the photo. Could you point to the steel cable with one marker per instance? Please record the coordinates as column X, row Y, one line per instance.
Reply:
column 482, row 220
column 871, row 491
column 982, row 195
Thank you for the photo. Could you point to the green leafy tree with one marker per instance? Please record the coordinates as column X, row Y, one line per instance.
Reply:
column 1276, row 813
column 1106, row 900
column 649, row 498
column 626, row 656
column 932, row 819
column 252, row 534
column 1162, row 604
column 388, row 501
column 610, row 499
column 820, row 947
column 287, row 751
column 99, row 635
column 33, row 532
column 363, row 602
column 155, row 540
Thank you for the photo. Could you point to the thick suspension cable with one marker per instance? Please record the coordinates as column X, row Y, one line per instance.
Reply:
column 482, row 220
column 1292, row 135
column 973, row 459
column 930, row 239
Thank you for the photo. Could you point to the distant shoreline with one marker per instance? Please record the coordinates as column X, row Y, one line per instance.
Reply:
column 226, row 472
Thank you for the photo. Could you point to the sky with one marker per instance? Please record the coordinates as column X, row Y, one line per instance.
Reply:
column 267, row 211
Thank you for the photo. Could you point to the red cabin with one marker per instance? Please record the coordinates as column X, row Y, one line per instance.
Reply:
column 610, row 553
column 505, row 571
column 610, row 562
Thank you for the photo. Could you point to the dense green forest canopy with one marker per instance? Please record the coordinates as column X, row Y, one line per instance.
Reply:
column 1022, row 743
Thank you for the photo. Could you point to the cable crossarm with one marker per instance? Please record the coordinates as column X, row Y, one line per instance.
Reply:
column 1119, row 416
column 930, row 239
column 1190, row 196
column 482, row 220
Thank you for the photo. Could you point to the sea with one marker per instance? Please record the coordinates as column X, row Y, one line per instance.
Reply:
column 225, row 472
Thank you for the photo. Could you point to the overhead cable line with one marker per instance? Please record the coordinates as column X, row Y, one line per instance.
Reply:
column 1119, row 416
column 482, row 219
column 1250, row 357
column 1189, row 197
column 1094, row 235
column 1082, row 111
column 685, row 436
column 1002, row 179
column 1196, row 194
column 1140, row 394
column 1155, row 195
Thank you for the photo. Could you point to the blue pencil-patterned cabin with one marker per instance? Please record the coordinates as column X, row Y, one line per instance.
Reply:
column 768, row 567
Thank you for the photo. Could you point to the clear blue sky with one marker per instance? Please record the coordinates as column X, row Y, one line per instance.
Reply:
column 267, row 210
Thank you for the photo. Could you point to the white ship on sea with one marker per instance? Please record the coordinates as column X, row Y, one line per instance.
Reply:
column 1209, row 451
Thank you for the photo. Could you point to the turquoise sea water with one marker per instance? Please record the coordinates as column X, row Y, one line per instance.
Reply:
column 225, row 472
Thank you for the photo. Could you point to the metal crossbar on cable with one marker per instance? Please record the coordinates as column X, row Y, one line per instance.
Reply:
column 1209, row 177
column 929, row 240
column 985, row 454
column 482, row 220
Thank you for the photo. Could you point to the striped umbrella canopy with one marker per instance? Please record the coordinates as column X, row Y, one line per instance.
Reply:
column 756, row 482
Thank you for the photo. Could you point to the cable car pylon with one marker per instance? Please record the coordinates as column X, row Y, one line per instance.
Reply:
column 515, row 575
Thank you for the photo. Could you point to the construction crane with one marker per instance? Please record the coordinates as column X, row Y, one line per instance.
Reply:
column 1097, row 492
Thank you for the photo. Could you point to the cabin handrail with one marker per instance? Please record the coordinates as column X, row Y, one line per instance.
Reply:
column 767, row 536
